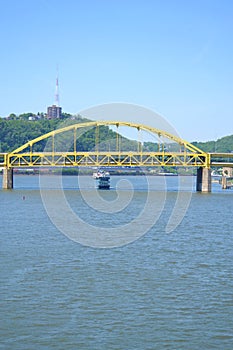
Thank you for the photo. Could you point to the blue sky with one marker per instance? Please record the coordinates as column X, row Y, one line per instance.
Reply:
column 174, row 57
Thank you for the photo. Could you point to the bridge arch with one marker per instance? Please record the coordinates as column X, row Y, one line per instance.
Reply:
column 188, row 146
column 28, row 156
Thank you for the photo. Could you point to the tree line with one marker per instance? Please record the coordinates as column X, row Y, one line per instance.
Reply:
column 17, row 130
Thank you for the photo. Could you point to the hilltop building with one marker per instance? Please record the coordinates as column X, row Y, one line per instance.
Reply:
column 54, row 112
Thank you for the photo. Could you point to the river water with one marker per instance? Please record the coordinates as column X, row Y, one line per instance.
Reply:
column 165, row 290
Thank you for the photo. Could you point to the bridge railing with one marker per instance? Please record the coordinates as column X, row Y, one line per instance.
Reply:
column 129, row 159
column 221, row 159
column 115, row 159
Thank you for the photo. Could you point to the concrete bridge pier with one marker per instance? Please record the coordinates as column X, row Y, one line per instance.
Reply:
column 7, row 181
column 203, row 180
column 224, row 183
column 227, row 177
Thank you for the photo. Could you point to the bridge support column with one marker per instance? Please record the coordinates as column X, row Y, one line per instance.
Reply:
column 224, row 183
column 203, row 180
column 7, row 181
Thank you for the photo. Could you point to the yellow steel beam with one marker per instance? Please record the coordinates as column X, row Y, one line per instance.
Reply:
column 107, row 159
column 191, row 155
column 74, row 127
column 3, row 159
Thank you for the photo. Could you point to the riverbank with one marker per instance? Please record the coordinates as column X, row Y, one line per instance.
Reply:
column 112, row 171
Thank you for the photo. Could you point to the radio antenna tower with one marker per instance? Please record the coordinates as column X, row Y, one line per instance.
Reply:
column 57, row 91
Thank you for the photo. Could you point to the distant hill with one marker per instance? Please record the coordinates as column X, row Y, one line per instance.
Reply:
column 224, row 144
column 17, row 130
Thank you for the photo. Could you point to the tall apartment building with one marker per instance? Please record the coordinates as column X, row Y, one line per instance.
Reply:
column 54, row 112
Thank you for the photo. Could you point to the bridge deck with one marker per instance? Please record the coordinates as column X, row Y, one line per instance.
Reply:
column 148, row 159
column 99, row 159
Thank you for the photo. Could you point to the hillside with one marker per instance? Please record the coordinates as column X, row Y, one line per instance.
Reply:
column 225, row 144
column 17, row 130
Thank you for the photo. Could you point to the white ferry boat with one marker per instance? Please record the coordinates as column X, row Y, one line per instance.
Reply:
column 103, row 178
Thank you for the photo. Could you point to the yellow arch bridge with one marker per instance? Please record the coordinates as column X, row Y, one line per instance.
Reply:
column 62, row 148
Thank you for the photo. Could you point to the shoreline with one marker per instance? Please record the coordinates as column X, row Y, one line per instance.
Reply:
column 112, row 173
